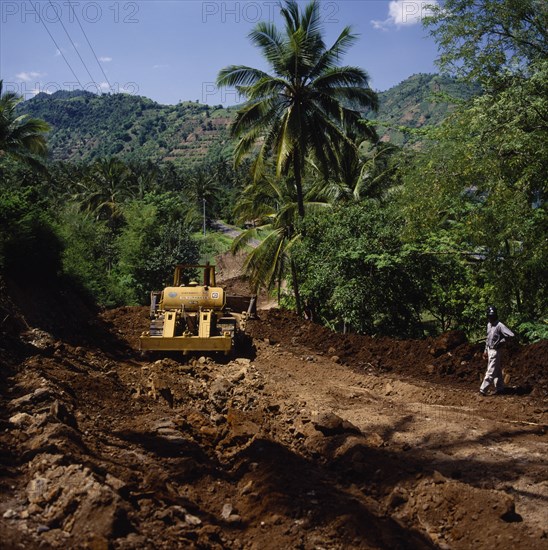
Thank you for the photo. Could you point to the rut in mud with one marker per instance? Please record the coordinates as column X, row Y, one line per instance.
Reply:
column 309, row 439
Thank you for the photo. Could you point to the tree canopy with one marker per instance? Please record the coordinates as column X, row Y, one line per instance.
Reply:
column 483, row 39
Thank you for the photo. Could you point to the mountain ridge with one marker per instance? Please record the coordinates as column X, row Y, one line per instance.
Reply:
column 86, row 126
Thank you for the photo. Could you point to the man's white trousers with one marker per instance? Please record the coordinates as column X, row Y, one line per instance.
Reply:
column 493, row 375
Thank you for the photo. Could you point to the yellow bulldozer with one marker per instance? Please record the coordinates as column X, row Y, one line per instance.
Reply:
column 193, row 315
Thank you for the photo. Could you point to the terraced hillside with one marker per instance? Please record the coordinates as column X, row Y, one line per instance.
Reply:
column 86, row 126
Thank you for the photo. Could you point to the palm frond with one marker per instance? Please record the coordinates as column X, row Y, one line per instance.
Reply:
column 267, row 37
column 290, row 13
column 330, row 57
column 239, row 75
column 20, row 136
column 267, row 87
column 245, row 237
column 263, row 264
column 339, row 77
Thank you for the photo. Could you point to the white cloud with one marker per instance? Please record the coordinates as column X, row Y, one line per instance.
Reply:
column 404, row 13
column 104, row 86
column 28, row 76
column 380, row 25
column 105, row 59
column 161, row 66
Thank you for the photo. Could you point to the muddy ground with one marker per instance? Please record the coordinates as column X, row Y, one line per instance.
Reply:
column 307, row 439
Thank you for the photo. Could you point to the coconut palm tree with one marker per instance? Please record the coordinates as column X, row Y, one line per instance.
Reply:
column 203, row 190
column 102, row 188
column 272, row 205
column 20, row 135
column 308, row 102
column 357, row 173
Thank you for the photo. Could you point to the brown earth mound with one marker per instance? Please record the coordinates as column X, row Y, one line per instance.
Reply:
column 448, row 358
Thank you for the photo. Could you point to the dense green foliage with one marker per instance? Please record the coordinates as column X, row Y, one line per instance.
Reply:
column 28, row 244
column 479, row 189
column 356, row 273
column 489, row 40
column 116, row 229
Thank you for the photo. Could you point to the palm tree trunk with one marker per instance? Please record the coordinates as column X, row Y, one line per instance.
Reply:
column 298, row 184
column 296, row 288
column 514, row 287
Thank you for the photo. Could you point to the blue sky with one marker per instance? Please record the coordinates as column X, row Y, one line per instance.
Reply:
column 172, row 50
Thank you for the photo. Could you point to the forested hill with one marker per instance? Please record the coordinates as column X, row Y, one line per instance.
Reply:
column 86, row 126
column 420, row 100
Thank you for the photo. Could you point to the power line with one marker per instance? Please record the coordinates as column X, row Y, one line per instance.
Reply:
column 89, row 44
column 73, row 45
column 56, row 45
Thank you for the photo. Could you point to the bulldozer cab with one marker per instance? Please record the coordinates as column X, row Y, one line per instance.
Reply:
column 194, row 275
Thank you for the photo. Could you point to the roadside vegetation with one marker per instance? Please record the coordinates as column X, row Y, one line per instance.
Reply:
column 402, row 237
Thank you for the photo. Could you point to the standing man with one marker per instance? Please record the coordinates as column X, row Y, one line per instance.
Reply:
column 497, row 333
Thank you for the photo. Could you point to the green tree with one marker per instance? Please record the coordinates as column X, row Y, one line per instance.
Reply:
column 357, row 275
column 145, row 178
column 483, row 39
column 306, row 105
column 88, row 251
column 20, row 136
column 479, row 187
column 360, row 172
column 28, row 242
column 271, row 203
column 202, row 192
column 151, row 243
column 112, row 185
column 475, row 196
column 102, row 188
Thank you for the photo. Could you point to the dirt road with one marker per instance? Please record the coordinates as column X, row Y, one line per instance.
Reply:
column 307, row 440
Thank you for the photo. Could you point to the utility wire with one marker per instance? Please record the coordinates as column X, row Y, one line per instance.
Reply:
column 89, row 44
column 56, row 45
column 73, row 45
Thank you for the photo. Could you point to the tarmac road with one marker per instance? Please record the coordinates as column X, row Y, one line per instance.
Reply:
column 222, row 227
